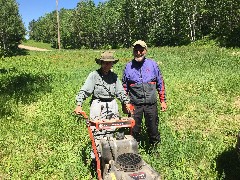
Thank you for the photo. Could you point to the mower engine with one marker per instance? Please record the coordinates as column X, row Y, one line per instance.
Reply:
column 117, row 154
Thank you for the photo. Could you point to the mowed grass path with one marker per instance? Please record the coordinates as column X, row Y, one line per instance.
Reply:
column 40, row 138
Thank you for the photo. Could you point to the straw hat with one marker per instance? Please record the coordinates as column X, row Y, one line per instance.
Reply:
column 106, row 56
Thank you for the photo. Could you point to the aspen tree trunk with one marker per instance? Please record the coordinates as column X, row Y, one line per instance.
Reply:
column 58, row 26
column 192, row 23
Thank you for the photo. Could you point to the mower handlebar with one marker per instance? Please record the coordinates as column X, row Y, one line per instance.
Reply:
column 84, row 114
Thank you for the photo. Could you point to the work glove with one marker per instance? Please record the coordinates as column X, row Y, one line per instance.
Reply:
column 127, row 108
column 130, row 108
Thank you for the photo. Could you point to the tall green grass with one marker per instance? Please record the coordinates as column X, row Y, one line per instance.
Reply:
column 40, row 138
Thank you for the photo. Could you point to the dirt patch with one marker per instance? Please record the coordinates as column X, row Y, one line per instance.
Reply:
column 32, row 48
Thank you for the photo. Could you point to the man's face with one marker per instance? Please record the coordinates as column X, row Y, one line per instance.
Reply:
column 139, row 53
column 106, row 66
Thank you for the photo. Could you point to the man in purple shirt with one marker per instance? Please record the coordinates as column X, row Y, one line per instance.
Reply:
column 142, row 80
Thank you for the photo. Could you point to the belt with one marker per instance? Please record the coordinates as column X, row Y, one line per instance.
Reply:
column 104, row 99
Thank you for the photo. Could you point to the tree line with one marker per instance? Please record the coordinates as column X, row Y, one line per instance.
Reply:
column 117, row 23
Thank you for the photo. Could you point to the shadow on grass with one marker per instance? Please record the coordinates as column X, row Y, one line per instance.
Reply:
column 24, row 88
column 86, row 150
column 144, row 143
column 86, row 158
column 21, row 52
column 228, row 165
column 16, row 52
column 6, row 71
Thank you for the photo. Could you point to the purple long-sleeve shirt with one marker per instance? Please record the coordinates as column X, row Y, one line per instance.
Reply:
column 141, row 80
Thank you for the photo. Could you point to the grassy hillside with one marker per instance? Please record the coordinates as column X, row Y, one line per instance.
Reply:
column 37, row 44
column 40, row 138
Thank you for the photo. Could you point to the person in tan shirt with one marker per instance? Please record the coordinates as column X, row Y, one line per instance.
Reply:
column 104, row 86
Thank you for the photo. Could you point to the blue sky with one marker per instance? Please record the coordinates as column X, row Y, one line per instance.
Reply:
column 33, row 9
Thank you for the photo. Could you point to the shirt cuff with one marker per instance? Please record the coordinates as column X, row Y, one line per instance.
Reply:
column 79, row 104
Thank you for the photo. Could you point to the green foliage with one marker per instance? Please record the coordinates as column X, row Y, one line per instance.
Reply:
column 44, row 29
column 159, row 22
column 12, row 30
column 40, row 138
column 85, row 24
column 66, row 28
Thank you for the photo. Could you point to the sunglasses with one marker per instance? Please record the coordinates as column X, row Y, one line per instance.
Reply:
column 140, row 50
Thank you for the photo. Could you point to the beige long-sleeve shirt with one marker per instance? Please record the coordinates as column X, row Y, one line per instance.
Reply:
column 102, row 87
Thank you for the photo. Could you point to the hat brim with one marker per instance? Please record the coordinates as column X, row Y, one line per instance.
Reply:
column 98, row 61
column 139, row 45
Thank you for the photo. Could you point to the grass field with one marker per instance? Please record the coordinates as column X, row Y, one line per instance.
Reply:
column 40, row 138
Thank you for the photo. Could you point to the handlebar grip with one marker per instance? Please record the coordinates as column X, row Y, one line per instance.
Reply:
column 84, row 114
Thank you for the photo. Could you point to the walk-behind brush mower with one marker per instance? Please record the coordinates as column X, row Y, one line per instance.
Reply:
column 116, row 153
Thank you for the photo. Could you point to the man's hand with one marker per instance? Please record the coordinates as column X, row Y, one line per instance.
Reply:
column 163, row 106
column 78, row 110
